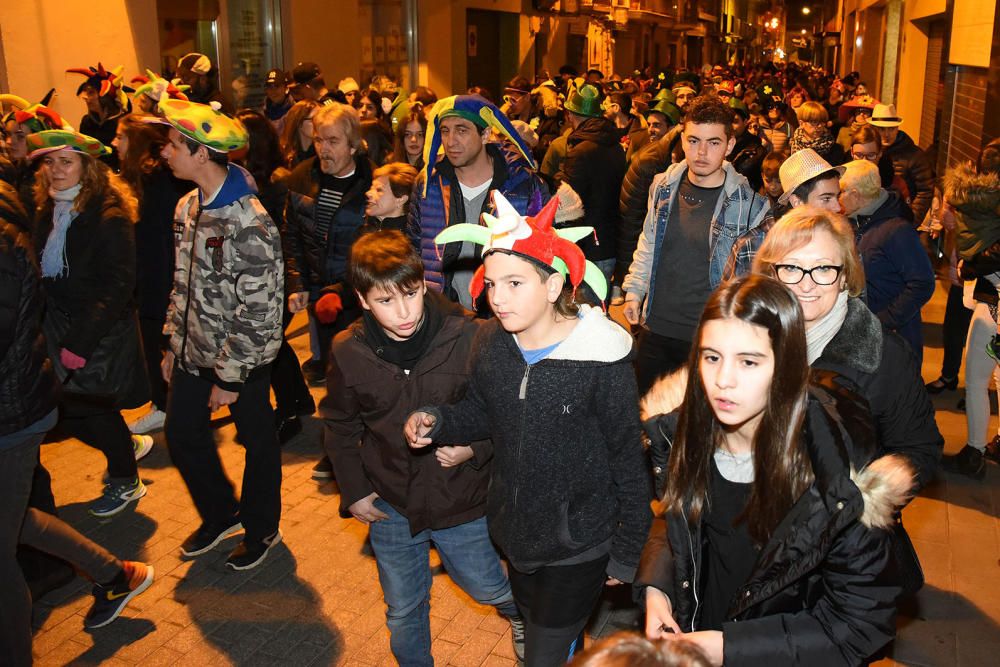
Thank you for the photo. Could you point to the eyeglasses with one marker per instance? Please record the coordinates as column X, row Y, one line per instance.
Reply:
column 821, row 275
column 871, row 157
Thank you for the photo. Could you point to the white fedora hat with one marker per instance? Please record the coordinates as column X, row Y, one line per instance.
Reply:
column 800, row 167
column 885, row 115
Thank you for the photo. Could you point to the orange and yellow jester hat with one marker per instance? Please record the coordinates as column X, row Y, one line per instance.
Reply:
column 107, row 82
column 532, row 238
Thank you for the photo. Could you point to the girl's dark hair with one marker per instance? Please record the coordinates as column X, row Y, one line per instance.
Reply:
column 372, row 96
column 989, row 158
column 263, row 154
column 145, row 142
column 782, row 470
column 398, row 146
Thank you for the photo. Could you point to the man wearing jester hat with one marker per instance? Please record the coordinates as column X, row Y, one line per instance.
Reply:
column 103, row 91
column 455, row 187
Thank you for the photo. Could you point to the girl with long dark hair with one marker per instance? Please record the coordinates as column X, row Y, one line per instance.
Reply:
column 297, row 137
column 139, row 142
column 773, row 548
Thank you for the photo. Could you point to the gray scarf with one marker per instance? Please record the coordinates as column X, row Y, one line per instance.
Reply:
column 54, row 261
column 819, row 335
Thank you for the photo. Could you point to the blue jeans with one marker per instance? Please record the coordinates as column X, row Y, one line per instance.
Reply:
column 405, row 574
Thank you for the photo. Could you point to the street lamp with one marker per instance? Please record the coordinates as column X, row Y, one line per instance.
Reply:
column 806, row 10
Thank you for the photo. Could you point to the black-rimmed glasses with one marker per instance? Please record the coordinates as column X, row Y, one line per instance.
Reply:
column 825, row 274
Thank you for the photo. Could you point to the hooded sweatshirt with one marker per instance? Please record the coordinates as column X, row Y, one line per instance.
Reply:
column 976, row 200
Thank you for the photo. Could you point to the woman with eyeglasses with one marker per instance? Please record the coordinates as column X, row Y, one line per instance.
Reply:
column 812, row 251
column 867, row 145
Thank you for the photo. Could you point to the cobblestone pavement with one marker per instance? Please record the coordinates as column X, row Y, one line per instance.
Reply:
column 316, row 599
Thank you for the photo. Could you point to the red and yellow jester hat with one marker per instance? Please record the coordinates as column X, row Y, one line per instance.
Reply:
column 532, row 238
column 35, row 117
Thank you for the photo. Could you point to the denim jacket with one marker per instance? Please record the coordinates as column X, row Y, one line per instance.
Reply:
column 738, row 212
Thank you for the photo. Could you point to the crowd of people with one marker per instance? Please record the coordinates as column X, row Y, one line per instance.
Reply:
column 769, row 230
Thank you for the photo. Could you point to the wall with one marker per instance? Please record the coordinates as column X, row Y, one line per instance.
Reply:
column 41, row 39
column 337, row 50
column 912, row 61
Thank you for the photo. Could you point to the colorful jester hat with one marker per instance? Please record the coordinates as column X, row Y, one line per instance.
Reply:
column 478, row 111
column 205, row 124
column 106, row 82
column 532, row 238
column 153, row 86
column 35, row 117
column 48, row 141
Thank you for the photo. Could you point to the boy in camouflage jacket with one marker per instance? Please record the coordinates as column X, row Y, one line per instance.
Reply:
column 224, row 323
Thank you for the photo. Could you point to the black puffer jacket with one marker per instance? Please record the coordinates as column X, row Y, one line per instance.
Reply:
column 312, row 263
column 594, row 167
column 824, row 587
column 91, row 310
column 634, row 200
column 913, row 166
column 27, row 382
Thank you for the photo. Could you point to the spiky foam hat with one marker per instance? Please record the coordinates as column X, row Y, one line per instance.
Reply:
column 154, row 86
column 106, row 81
column 532, row 238
column 478, row 111
column 35, row 117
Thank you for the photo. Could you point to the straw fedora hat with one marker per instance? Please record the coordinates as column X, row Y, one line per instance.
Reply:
column 799, row 168
column 885, row 115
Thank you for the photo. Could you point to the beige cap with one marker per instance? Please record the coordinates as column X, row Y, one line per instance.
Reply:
column 800, row 167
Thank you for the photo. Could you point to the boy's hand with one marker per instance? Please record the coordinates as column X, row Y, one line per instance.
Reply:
column 450, row 457
column 417, row 426
column 298, row 301
column 365, row 511
column 220, row 397
column 167, row 366
column 633, row 307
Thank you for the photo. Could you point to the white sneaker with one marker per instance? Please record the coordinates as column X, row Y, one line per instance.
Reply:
column 142, row 444
column 151, row 421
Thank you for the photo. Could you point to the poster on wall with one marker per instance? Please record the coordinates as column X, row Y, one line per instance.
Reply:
column 366, row 49
column 472, row 41
column 379, row 42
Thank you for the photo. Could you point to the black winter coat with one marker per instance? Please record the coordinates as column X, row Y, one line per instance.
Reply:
column 312, row 263
column 90, row 310
column 824, row 587
column 368, row 399
column 154, row 241
column 914, row 167
column 568, row 476
column 27, row 381
column 746, row 157
column 634, row 201
column 594, row 167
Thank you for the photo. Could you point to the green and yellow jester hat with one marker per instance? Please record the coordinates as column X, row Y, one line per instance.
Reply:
column 205, row 124
column 478, row 111
column 154, row 86
column 532, row 238
column 35, row 117
column 49, row 141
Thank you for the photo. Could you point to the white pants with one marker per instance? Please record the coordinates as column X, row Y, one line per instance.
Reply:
column 979, row 366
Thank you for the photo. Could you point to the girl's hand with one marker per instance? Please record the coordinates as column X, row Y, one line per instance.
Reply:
column 710, row 643
column 417, row 426
column 659, row 615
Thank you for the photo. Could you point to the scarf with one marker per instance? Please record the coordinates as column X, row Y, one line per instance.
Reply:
column 820, row 144
column 54, row 261
column 404, row 353
column 819, row 335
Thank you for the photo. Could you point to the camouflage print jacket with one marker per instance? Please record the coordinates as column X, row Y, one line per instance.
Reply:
column 229, row 259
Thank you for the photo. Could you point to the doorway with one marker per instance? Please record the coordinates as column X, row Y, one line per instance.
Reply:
column 491, row 40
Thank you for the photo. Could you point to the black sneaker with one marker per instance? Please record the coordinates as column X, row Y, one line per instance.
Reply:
column 110, row 599
column 970, row 461
column 314, row 372
column 287, row 428
column 207, row 537
column 323, row 469
column 248, row 555
column 992, row 452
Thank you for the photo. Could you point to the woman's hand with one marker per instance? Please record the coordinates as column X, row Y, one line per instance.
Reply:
column 659, row 615
column 417, row 426
column 449, row 457
column 710, row 643
column 167, row 366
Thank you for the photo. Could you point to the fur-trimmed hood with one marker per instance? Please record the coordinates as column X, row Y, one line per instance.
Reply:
column 972, row 193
